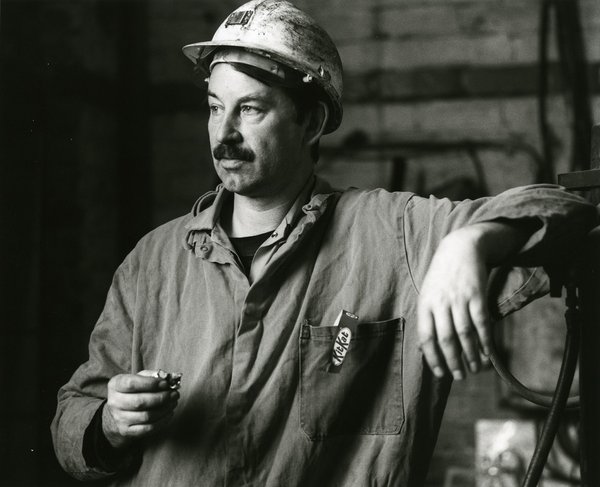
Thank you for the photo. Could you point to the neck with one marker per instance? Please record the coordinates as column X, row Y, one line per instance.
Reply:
column 253, row 216
column 248, row 218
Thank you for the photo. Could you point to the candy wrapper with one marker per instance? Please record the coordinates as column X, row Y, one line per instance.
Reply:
column 173, row 378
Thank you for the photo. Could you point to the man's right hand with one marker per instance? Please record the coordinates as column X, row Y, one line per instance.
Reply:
column 138, row 405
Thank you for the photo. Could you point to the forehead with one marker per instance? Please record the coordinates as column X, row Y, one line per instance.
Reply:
column 226, row 81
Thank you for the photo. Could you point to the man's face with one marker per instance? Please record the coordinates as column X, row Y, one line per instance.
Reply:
column 257, row 145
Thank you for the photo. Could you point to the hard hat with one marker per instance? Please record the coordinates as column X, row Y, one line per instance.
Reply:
column 280, row 31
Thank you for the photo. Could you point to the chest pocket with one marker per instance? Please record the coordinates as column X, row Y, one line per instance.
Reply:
column 365, row 396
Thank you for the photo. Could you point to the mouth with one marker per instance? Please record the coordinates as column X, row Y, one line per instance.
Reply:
column 226, row 163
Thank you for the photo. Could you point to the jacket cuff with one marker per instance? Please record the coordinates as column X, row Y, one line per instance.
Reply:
column 99, row 454
column 510, row 289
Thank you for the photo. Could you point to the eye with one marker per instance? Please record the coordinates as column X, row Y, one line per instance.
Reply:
column 250, row 110
column 214, row 109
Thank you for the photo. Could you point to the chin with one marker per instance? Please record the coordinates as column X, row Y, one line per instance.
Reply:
column 234, row 185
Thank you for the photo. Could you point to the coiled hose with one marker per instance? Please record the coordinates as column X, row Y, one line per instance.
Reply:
column 560, row 400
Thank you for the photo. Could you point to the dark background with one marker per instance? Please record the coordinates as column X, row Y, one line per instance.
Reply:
column 76, row 193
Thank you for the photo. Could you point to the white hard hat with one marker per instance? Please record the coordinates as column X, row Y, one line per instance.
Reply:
column 280, row 31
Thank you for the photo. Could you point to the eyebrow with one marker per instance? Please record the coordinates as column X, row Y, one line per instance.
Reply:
column 251, row 97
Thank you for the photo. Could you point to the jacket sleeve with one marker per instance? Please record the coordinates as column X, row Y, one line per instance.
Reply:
column 560, row 219
column 84, row 394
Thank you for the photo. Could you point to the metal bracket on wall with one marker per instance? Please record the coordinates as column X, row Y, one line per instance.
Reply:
column 580, row 180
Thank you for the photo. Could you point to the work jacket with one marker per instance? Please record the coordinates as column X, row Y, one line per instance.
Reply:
column 260, row 404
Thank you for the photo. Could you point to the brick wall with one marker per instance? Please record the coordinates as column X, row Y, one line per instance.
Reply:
column 427, row 37
column 445, row 72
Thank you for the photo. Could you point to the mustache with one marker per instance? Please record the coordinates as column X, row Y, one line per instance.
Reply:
column 223, row 151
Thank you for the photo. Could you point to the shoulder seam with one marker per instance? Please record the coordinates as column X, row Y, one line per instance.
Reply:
column 410, row 272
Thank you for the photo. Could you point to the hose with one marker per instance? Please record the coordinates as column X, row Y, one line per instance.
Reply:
column 560, row 400
column 573, row 70
column 546, row 167
column 538, row 398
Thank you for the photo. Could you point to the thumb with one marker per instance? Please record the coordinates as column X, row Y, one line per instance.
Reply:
column 157, row 374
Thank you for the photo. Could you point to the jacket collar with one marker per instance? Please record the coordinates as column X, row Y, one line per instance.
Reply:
column 207, row 209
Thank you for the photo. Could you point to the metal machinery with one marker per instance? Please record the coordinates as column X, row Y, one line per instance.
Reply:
column 582, row 283
column 587, row 280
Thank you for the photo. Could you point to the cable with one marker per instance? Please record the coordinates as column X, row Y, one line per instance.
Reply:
column 544, row 400
column 575, row 85
column 560, row 400
column 575, row 77
column 565, row 379
column 546, row 168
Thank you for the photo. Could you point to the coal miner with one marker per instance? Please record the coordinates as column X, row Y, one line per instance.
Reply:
column 317, row 331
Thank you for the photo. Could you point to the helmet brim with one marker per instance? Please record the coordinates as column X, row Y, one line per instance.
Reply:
column 200, row 54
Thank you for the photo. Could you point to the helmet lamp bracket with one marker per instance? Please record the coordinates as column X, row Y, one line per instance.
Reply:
column 241, row 17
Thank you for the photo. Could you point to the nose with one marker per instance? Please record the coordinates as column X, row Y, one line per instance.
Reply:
column 228, row 130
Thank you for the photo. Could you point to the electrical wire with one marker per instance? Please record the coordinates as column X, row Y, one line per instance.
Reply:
column 565, row 379
column 538, row 398
column 560, row 399
column 574, row 75
column 575, row 85
column 546, row 167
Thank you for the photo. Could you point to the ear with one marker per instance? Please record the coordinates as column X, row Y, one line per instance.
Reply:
column 317, row 122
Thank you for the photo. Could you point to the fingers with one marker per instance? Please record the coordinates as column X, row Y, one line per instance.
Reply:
column 140, row 430
column 134, row 383
column 453, row 334
column 146, row 416
column 452, row 312
column 440, row 344
column 141, row 401
column 149, row 373
column 139, row 392
column 428, row 341
column 131, row 418
column 467, row 337
column 173, row 379
column 137, row 405
column 123, row 427
column 481, row 320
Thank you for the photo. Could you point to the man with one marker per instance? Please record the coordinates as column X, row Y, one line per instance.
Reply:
column 243, row 297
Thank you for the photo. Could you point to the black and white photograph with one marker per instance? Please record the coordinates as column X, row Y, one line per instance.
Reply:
column 300, row 243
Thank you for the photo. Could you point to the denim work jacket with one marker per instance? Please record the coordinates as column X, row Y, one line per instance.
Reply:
column 259, row 405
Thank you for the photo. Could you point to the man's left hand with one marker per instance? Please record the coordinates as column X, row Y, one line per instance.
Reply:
column 453, row 317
